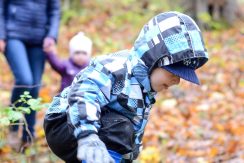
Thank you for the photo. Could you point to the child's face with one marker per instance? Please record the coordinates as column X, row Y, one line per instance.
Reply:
column 80, row 57
column 161, row 79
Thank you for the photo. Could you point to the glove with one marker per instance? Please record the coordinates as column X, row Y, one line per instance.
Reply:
column 93, row 150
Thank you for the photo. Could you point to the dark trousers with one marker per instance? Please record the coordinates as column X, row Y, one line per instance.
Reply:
column 116, row 132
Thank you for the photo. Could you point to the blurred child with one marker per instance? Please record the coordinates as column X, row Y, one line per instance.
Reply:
column 80, row 48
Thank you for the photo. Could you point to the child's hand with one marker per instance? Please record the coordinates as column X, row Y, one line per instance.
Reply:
column 49, row 45
column 51, row 50
column 92, row 149
column 2, row 46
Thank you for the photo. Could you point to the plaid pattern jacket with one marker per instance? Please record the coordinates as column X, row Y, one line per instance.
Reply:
column 108, row 81
column 120, row 80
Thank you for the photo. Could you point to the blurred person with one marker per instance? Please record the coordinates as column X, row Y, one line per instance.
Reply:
column 80, row 49
column 107, row 106
column 26, row 27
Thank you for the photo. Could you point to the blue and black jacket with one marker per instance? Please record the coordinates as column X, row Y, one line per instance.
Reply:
column 121, row 81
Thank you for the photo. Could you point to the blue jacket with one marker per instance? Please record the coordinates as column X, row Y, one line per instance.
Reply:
column 29, row 20
column 121, row 81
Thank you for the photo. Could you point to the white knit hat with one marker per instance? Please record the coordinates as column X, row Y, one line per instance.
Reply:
column 80, row 42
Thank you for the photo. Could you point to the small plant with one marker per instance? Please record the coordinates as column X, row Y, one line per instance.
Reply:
column 14, row 113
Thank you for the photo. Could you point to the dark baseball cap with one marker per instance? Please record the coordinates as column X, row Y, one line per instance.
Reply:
column 185, row 69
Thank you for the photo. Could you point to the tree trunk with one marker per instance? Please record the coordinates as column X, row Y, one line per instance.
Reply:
column 217, row 9
column 230, row 11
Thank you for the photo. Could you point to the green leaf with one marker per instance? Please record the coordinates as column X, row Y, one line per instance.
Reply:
column 28, row 96
column 33, row 102
column 14, row 115
column 24, row 109
column 37, row 108
column 4, row 121
column 26, row 93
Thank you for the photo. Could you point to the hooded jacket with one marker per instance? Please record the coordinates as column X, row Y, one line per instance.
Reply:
column 120, row 81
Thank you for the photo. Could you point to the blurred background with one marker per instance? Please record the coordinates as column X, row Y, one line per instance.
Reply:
column 198, row 124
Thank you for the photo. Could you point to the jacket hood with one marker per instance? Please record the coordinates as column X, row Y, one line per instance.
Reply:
column 170, row 37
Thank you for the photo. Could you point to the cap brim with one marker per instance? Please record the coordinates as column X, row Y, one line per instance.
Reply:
column 183, row 72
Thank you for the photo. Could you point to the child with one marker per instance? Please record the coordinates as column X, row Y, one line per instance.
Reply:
column 107, row 106
column 80, row 48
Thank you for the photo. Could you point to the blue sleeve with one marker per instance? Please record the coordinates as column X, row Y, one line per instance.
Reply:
column 88, row 94
column 2, row 23
column 54, row 18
